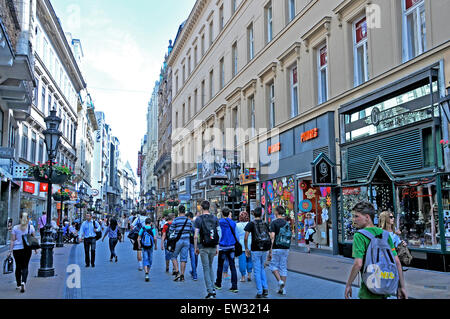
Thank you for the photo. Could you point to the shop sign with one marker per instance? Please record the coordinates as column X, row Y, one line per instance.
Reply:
column 323, row 171
column 351, row 190
column 182, row 185
column 250, row 176
column 215, row 181
column 43, row 187
column 274, row 148
column 309, row 135
column 412, row 193
column 28, row 187
column 184, row 197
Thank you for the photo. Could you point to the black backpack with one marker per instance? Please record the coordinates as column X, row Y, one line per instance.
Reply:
column 209, row 237
column 262, row 235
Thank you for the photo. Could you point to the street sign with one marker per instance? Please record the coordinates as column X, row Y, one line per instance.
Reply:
column 95, row 192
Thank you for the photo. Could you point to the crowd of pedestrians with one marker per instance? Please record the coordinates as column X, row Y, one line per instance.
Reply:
column 250, row 241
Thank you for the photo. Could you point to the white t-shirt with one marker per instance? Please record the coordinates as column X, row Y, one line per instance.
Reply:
column 18, row 233
column 240, row 234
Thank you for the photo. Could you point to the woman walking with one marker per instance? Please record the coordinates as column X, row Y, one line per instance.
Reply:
column 20, row 253
column 114, row 233
column 310, row 230
column 245, row 263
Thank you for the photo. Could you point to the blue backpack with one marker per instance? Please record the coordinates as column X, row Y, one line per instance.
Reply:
column 147, row 238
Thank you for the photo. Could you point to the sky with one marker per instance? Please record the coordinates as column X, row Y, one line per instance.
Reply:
column 124, row 43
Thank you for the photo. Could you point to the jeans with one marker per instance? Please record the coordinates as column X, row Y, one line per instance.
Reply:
column 229, row 256
column 89, row 244
column 112, row 246
column 22, row 259
column 207, row 257
column 147, row 257
column 258, row 259
column 245, row 264
column 194, row 261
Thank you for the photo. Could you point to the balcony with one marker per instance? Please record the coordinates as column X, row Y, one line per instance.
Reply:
column 162, row 164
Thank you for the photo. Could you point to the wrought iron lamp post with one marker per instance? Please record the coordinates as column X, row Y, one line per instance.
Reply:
column 233, row 174
column 173, row 194
column 52, row 136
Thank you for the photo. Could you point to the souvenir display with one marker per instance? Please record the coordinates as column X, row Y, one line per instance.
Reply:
column 305, row 205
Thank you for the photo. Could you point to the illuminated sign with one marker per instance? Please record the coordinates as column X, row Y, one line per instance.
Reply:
column 309, row 135
column 274, row 148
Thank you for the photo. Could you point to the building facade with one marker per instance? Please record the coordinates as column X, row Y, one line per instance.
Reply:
column 307, row 81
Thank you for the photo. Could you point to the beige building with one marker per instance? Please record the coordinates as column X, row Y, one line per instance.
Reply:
column 349, row 79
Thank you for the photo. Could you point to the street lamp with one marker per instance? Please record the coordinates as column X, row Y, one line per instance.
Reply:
column 233, row 174
column 82, row 193
column 52, row 135
column 173, row 194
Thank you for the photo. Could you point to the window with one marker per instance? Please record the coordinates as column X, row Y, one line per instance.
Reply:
column 322, row 72
column 269, row 22
column 189, row 65
column 176, row 120
column 252, row 124
column 235, row 126
column 221, row 19
column 49, row 104
column 211, row 84
column 360, row 52
column 36, row 94
column 24, row 145
column 211, row 32
column 195, row 56
column 234, row 56
column 233, row 6
column 294, row 91
column 195, row 101
column 271, row 88
column 414, row 28
column 189, row 109
column 184, row 74
column 222, row 74
column 183, row 115
column 250, row 42
column 176, row 84
column 291, row 10
column 12, row 136
column 203, row 44
column 41, row 151
column 44, row 53
column 33, row 147
column 203, row 93
column 43, row 99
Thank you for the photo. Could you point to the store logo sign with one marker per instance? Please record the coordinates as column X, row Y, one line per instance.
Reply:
column 28, row 187
column 309, row 135
column 43, row 187
column 274, row 148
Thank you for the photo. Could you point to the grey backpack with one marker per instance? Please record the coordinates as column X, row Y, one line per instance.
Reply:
column 379, row 272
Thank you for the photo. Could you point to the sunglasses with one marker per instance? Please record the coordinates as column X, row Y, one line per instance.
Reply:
column 391, row 217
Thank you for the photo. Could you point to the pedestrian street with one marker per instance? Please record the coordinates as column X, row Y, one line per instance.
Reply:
column 123, row 280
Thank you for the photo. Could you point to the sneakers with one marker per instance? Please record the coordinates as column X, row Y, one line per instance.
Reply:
column 217, row 287
column 280, row 286
column 179, row 278
column 265, row 292
column 22, row 287
column 259, row 296
column 233, row 290
column 147, row 278
column 116, row 258
column 210, row 296
column 175, row 273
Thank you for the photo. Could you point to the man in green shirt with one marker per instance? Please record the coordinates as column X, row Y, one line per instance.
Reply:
column 363, row 216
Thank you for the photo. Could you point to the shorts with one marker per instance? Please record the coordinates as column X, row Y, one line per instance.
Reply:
column 168, row 255
column 136, row 246
column 279, row 261
column 182, row 249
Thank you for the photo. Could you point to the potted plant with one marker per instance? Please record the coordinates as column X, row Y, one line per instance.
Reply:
column 41, row 173
column 61, row 196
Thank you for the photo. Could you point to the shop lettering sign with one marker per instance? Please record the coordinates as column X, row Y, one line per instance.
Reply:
column 274, row 148
column 351, row 191
column 28, row 187
column 412, row 193
column 43, row 187
column 309, row 135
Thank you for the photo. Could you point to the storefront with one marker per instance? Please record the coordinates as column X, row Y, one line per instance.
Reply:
column 286, row 178
column 33, row 200
column 249, row 182
column 389, row 158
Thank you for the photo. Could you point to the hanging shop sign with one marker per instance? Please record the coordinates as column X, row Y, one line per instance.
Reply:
column 28, row 187
column 309, row 135
column 323, row 171
column 217, row 181
column 351, row 190
column 43, row 187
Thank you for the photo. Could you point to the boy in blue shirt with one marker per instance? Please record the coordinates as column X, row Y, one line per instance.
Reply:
column 147, row 251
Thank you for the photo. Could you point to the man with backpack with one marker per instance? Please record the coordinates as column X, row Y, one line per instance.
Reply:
column 138, row 223
column 167, row 254
column 206, row 239
column 182, row 230
column 261, row 244
column 146, row 242
column 226, row 249
column 280, row 234
column 375, row 257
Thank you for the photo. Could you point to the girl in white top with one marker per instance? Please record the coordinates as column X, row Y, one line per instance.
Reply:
column 245, row 263
column 21, row 254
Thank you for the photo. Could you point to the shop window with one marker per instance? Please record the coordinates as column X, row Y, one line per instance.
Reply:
column 417, row 214
column 349, row 198
column 446, row 209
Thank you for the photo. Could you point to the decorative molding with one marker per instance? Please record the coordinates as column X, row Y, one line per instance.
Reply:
column 271, row 68
column 344, row 6
column 250, row 84
column 234, row 93
column 293, row 49
column 320, row 28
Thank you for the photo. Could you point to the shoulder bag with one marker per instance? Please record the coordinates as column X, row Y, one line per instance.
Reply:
column 30, row 241
column 237, row 245
column 98, row 234
column 172, row 242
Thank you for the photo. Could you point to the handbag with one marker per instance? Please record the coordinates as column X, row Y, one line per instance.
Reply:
column 30, row 241
column 8, row 265
column 237, row 245
column 172, row 242
column 134, row 233
column 98, row 234
column 404, row 255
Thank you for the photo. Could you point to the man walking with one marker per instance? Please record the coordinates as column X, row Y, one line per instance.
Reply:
column 280, row 234
column 260, row 246
column 206, row 239
column 41, row 223
column 226, row 249
column 183, row 227
column 363, row 216
column 87, row 233
column 138, row 222
column 192, row 255
column 167, row 254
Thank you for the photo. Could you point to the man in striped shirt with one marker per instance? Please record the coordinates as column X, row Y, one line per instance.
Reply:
column 182, row 226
